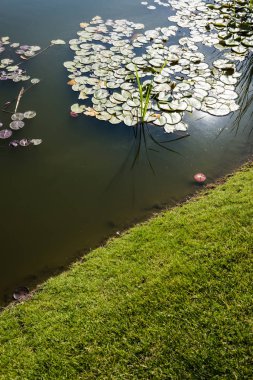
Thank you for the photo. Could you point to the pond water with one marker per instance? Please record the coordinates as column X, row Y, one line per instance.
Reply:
column 89, row 179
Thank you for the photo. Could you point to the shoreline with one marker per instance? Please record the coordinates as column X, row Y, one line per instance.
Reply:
column 169, row 298
column 202, row 190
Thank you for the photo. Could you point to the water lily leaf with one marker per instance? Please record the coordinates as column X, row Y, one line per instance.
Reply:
column 239, row 49
column 113, row 85
column 12, row 68
column 156, row 62
column 29, row 114
column 160, row 121
column 178, row 105
column 199, row 93
column 248, row 42
column 14, row 143
column 6, row 61
column 17, row 124
column 84, row 24
column 76, row 108
column 133, row 103
column 162, row 87
column 193, row 103
column 35, row 81
column 36, row 141
column 104, row 116
column 101, row 94
column 130, row 67
column 72, row 82
column 219, row 110
column 229, row 95
column 68, row 64
column 228, row 79
column 172, row 117
column 203, row 85
column 126, row 86
column 58, row 42
column 130, row 121
column 180, row 126
column 17, row 116
column 114, row 120
column 210, row 100
column 24, row 142
column 35, row 48
column 90, row 112
column 82, row 95
column 183, row 86
column 139, row 61
column 168, row 128
column 5, row 133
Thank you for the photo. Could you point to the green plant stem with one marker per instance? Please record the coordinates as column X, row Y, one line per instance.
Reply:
column 144, row 107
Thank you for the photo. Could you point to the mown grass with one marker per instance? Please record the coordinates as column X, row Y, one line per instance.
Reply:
column 170, row 299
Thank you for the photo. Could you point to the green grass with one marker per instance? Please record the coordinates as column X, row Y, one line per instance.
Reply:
column 170, row 299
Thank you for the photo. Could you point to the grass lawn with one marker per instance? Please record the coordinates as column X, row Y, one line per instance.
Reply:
column 170, row 299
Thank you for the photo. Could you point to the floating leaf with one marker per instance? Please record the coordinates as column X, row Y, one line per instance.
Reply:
column 58, row 42
column 35, row 81
column 29, row 114
column 129, row 120
column 14, row 143
column 17, row 116
column 36, row 141
column 5, row 133
column 17, row 124
column 168, row 128
column 172, row 117
column 24, row 142
column 228, row 79
column 76, row 108
column 90, row 112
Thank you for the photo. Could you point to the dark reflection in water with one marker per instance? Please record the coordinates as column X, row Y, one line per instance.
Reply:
column 90, row 179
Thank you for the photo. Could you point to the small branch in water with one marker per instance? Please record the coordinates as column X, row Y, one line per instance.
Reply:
column 19, row 98
column 8, row 104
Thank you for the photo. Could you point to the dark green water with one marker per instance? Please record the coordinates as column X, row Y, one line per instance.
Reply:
column 79, row 187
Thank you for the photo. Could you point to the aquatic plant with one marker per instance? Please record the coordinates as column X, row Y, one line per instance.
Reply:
column 116, row 84
column 10, row 70
column 17, row 123
column 145, row 94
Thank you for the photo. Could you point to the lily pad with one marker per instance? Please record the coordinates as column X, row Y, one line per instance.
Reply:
column 24, row 142
column 17, row 124
column 29, row 114
column 5, row 133
column 17, row 116
column 76, row 108
column 35, row 141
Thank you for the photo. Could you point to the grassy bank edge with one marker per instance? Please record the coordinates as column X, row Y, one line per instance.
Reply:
column 109, row 317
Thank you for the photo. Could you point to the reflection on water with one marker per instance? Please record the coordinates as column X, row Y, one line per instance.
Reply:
column 90, row 179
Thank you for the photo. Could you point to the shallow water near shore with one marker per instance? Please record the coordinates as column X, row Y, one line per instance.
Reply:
column 64, row 197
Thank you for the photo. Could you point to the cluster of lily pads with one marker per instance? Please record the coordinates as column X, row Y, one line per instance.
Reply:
column 10, row 70
column 103, row 73
column 17, row 122
column 10, row 66
column 223, row 24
